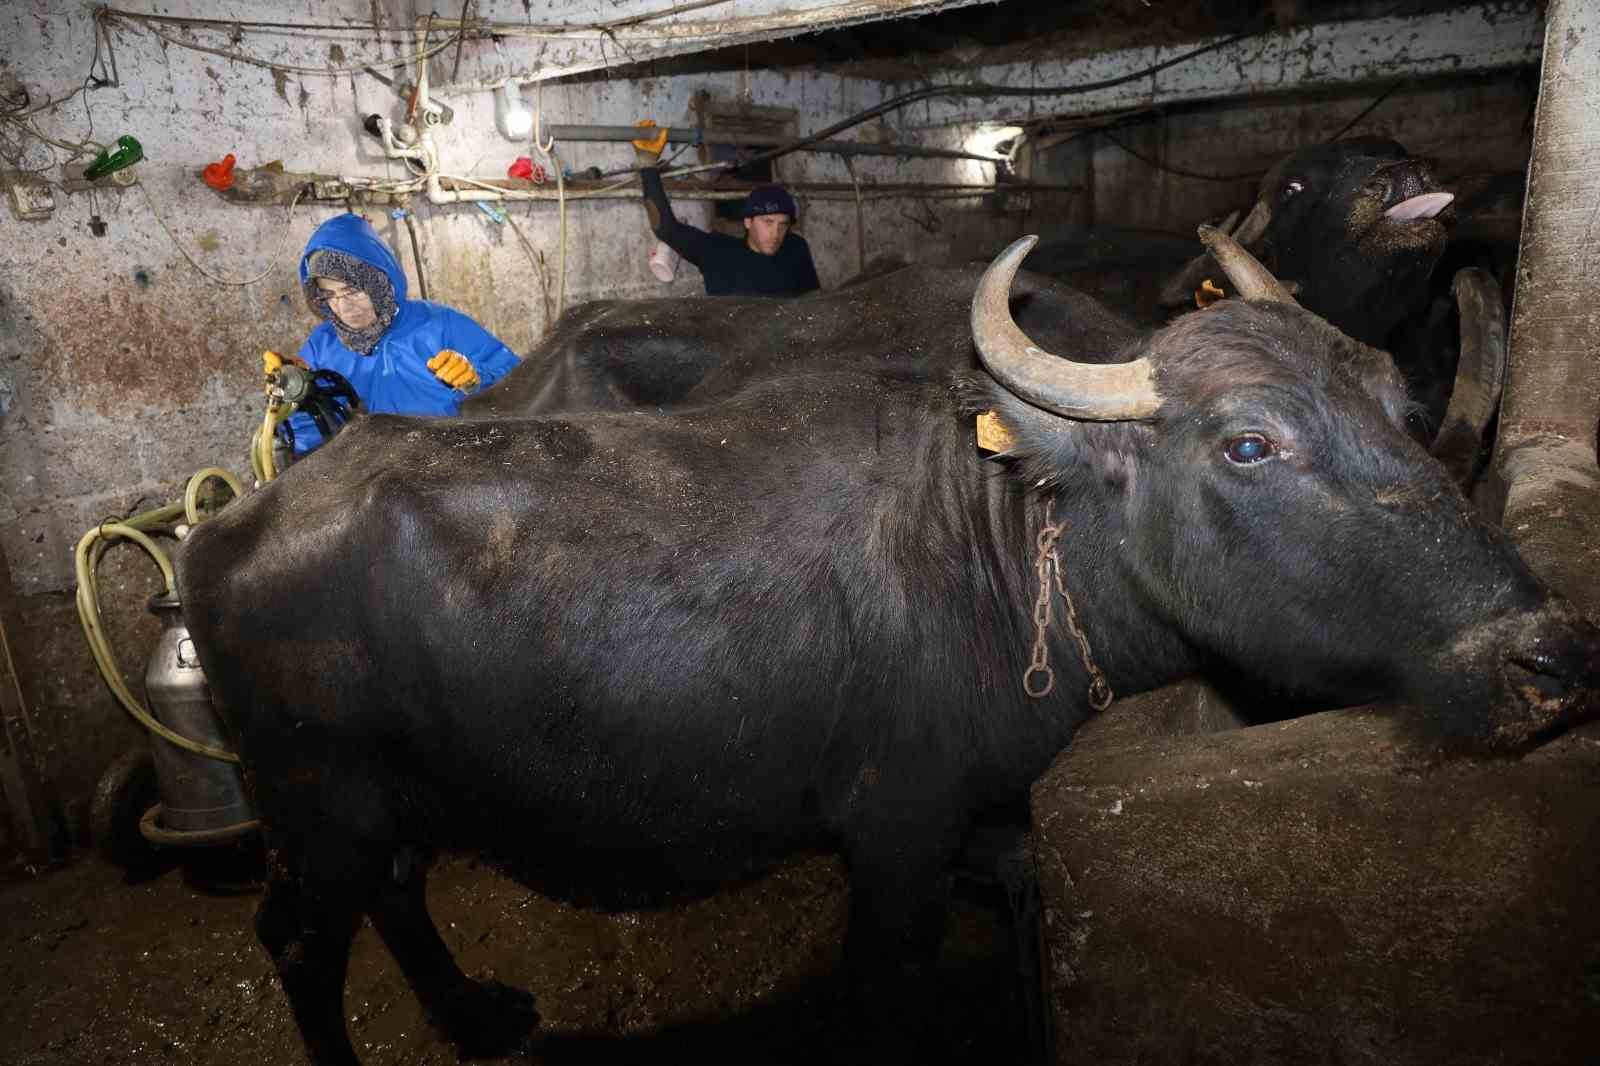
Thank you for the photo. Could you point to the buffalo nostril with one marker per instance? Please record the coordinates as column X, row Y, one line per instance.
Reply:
column 1535, row 677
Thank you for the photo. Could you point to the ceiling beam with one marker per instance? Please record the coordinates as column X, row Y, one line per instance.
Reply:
column 594, row 37
column 1332, row 55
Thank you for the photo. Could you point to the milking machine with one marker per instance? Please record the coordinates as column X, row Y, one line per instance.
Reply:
column 183, row 788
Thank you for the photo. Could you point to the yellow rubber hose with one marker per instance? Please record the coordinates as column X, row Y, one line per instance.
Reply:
column 86, row 560
column 191, row 493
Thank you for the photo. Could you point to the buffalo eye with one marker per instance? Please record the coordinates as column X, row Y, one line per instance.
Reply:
column 1292, row 188
column 1248, row 449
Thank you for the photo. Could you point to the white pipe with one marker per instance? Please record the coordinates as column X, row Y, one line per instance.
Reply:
column 422, row 151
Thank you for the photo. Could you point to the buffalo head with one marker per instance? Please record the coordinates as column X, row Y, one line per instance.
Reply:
column 1357, row 225
column 1262, row 498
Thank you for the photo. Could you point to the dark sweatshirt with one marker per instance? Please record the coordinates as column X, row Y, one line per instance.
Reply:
column 726, row 263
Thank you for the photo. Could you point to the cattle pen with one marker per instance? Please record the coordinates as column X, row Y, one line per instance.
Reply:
column 1143, row 610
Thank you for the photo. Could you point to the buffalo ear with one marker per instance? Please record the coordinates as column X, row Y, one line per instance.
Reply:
column 1178, row 291
column 1048, row 449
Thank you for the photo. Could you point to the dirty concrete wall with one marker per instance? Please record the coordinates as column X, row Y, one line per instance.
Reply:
column 130, row 360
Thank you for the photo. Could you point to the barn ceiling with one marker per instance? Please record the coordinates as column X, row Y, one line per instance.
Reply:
column 912, row 40
column 1260, row 48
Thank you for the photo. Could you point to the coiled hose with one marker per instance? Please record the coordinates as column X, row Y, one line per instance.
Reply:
column 138, row 528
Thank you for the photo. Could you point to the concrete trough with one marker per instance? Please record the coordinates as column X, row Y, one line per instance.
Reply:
column 1324, row 890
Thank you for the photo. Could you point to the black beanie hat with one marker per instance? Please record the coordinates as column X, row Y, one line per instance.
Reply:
column 770, row 200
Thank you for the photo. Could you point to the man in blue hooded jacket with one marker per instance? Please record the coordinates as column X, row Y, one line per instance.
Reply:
column 401, row 356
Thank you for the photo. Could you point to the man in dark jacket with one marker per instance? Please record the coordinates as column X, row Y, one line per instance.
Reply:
column 772, row 260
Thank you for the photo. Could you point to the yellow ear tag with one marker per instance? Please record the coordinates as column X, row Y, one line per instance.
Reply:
column 1208, row 294
column 993, row 436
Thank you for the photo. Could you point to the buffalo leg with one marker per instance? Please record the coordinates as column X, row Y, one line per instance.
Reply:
column 1003, row 853
column 306, row 921
column 896, row 922
column 482, row 1018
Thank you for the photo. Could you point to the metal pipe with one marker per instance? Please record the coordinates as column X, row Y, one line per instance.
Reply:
column 452, row 191
column 700, row 135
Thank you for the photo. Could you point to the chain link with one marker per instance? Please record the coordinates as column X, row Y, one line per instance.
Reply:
column 1047, row 566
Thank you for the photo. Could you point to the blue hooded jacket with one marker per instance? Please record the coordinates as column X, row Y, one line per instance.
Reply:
column 394, row 377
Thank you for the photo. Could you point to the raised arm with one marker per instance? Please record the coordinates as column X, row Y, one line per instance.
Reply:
column 682, row 238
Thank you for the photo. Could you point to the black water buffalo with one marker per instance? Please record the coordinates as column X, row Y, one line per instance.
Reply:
column 628, row 656
column 682, row 353
column 1358, row 226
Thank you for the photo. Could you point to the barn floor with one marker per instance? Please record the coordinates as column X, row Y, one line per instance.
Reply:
column 98, row 966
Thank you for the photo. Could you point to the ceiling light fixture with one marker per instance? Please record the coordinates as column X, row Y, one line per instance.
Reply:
column 516, row 121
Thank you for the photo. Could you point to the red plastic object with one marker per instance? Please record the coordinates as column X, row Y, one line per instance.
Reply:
column 522, row 168
column 219, row 175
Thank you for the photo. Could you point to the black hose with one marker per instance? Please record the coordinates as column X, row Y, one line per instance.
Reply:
column 416, row 255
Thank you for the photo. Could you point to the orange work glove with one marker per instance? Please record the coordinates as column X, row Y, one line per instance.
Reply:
column 452, row 368
column 648, row 149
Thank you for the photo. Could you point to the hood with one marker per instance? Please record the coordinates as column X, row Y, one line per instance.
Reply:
column 354, row 235
column 348, row 249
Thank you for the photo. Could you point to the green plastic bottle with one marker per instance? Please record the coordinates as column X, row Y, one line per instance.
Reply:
column 125, row 152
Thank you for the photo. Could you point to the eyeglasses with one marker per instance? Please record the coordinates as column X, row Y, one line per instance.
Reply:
column 333, row 296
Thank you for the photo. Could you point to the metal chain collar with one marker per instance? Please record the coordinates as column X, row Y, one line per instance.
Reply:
column 1048, row 567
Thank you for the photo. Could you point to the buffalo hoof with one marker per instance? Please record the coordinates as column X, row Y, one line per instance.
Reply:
column 489, row 1019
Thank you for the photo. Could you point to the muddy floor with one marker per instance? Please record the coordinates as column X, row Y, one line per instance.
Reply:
column 99, row 966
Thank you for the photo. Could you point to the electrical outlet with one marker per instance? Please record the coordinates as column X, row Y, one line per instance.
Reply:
column 32, row 200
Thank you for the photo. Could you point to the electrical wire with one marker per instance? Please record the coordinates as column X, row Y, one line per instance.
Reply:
column 26, row 125
column 561, row 197
column 980, row 89
column 147, row 24
column 364, row 31
column 650, row 16
column 1180, row 171
column 1369, row 109
column 1105, row 131
column 933, row 91
column 283, row 241
column 537, row 261
column 547, row 148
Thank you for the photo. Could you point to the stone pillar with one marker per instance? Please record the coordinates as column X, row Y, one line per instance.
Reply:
column 1545, row 452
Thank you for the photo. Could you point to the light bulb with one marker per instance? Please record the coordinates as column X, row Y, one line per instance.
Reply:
column 516, row 121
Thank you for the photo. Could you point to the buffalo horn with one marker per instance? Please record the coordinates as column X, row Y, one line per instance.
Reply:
column 1178, row 290
column 1250, row 279
column 1480, row 373
column 1108, row 392
column 1254, row 225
